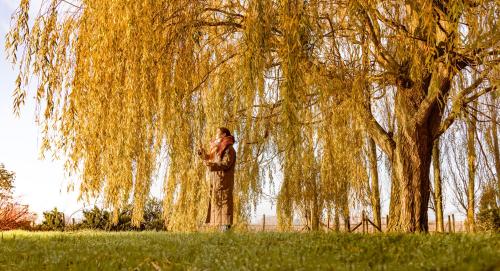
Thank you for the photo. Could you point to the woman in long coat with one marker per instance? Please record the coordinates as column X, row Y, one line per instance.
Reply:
column 221, row 162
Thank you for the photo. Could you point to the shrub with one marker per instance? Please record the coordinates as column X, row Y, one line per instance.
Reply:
column 488, row 218
column 100, row 219
column 95, row 219
column 12, row 214
column 153, row 212
column 15, row 216
column 53, row 220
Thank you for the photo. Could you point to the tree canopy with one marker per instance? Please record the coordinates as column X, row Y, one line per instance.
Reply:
column 6, row 181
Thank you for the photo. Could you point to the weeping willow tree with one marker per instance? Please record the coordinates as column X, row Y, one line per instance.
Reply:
column 422, row 48
column 124, row 85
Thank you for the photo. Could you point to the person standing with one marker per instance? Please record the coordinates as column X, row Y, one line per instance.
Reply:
column 220, row 161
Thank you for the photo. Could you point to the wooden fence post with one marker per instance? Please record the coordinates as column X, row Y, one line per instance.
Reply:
column 386, row 222
column 453, row 221
column 328, row 220
column 449, row 223
column 264, row 222
column 348, row 221
column 363, row 221
column 366, row 223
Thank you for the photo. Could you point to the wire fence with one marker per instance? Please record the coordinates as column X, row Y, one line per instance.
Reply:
column 358, row 225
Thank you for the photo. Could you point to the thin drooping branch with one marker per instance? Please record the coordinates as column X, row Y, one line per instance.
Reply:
column 461, row 100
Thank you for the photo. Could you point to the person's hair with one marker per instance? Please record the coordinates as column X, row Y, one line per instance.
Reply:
column 225, row 131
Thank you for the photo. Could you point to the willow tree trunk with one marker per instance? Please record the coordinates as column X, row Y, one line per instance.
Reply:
column 336, row 220
column 494, row 136
column 315, row 214
column 313, row 207
column 411, row 164
column 417, row 122
column 347, row 219
column 471, row 168
column 374, row 186
column 438, row 196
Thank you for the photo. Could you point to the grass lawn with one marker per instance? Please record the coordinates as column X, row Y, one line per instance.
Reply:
column 90, row 250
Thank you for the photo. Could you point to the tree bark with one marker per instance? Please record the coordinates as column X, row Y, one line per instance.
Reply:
column 395, row 203
column 336, row 220
column 494, row 136
column 315, row 214
column 347, row 220
column 471, row 164
column 418, row 117
column 374, row 186
column 438, row 196
column 372, row 148
column 411, row 168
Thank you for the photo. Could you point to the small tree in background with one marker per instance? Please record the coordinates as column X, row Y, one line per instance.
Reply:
column 488, row 217
column 6, row 182
column 12, row 214
column 15, row 216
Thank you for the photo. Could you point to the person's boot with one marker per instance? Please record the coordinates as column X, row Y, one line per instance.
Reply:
column 225, row 228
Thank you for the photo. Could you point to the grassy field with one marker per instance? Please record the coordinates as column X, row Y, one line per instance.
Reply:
column 246, row 251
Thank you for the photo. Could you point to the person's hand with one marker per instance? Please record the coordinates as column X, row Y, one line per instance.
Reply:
column 201, row 151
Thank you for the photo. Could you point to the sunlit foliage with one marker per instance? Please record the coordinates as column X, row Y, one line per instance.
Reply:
column 124, row 85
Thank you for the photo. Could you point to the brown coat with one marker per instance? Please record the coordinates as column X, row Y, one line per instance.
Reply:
column 221, row 177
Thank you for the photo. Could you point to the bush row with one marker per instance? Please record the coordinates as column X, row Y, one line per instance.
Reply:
column 101, row 219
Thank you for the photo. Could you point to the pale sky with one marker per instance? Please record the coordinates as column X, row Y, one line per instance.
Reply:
column 39, row 183
column 42, row 183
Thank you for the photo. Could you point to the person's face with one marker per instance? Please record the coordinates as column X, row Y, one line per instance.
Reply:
column 220, row 134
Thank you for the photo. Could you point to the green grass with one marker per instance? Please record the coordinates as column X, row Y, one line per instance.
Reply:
column 246, row 251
